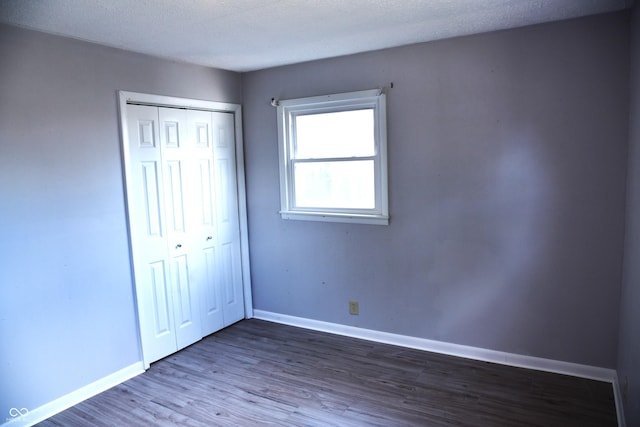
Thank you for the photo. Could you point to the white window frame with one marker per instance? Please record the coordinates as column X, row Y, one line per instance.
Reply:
column 288, row 110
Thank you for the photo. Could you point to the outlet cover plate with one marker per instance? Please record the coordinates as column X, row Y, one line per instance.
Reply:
column 354, row 308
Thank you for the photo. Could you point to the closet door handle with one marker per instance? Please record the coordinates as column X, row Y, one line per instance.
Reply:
column 178, row 246
column 209, row 238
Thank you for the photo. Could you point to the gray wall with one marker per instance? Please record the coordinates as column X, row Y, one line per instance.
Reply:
column 629, row 344
column 507, row 171
column 66, row 298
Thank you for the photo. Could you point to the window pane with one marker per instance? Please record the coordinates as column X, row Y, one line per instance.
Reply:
column 348, row 184
column 337, row 134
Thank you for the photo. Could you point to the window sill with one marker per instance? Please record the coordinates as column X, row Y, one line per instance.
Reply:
column 336, row 217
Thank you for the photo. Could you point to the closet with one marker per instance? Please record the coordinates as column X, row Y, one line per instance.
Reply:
column 183, row 211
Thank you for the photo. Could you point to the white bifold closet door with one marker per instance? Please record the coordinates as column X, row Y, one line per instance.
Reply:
column 184, row 224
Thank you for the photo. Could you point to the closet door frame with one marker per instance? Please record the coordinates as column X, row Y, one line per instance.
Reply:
column 127, row 97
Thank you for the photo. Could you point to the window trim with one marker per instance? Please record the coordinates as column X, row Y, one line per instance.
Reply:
column 289, row 109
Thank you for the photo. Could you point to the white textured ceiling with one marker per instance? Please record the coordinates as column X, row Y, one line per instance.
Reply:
column 244, row 35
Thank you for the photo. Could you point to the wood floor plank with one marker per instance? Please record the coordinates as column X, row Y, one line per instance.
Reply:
column 261, row 373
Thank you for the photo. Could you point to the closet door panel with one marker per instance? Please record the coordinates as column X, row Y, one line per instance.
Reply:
column 227, row 216
column 175, row 200
column 147, row 218
column 204, row 221
column 162, row 313
column 211, row 303
column 180, row 200
column 186, row 315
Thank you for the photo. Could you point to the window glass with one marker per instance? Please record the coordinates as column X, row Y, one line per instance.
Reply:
column 336, row 134
column 343, row 185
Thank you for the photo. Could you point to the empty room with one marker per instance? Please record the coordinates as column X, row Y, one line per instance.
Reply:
column 327, row 213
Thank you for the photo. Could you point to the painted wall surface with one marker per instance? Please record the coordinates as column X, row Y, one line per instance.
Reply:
column 507, row 172
column 629, row 341
column 66, row 298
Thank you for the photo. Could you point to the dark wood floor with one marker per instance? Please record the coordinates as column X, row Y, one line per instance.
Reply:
column 259, row 373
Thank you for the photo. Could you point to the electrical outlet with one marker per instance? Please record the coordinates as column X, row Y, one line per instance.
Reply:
column 354, row 309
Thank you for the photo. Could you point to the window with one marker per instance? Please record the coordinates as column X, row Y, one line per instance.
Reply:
column 333, row 164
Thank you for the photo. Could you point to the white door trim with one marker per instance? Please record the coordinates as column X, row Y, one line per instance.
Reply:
column 126, row 97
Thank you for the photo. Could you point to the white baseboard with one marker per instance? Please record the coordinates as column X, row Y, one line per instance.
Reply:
column 50, row 409
column 476, row 353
